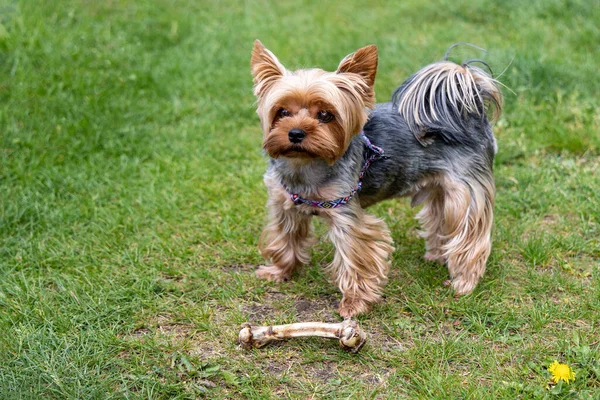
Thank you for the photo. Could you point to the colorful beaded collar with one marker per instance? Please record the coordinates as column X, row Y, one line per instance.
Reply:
column 377, row 153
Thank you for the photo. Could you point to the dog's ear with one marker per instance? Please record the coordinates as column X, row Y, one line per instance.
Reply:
column 266, row 68
column 362, row 62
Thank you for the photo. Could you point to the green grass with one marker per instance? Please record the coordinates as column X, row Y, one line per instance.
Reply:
column 132, row 199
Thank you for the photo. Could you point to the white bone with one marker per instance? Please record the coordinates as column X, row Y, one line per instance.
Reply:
column 351, row 337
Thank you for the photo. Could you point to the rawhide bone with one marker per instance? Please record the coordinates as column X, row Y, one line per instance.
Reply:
column 351, row 337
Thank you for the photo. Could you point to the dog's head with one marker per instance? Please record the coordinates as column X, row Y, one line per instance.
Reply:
column 311, row 113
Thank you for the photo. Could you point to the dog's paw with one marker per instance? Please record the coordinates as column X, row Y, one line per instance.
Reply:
column 272, row 273
column 463, row 286
column 352, row 307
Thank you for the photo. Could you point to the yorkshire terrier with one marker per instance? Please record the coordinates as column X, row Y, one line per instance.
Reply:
column 334, row 152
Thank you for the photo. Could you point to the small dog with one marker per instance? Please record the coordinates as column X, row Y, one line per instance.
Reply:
column 333, row 152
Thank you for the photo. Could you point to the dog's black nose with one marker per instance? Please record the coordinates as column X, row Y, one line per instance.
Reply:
column 296, row 135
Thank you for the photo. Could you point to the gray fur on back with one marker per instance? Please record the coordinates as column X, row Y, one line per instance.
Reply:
column 408, row 162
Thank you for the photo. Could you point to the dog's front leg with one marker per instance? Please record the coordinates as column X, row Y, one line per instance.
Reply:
column 360, row 266
column 286, row 240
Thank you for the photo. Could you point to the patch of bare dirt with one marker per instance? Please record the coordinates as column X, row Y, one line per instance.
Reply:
column 378, row 377
column 278, row 368
column 257, row 313
column 206, row 348
column 162, row 325
column 174, row 330
column 274, row 296
column 321, row 372
column 382, row 342
column 140, row 333
column 322, row 309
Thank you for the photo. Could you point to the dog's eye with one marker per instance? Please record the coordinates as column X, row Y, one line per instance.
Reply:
column 324, row 116
column 282, row 113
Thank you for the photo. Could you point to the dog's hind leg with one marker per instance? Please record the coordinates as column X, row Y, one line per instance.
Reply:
column 467, row 224
column 360, row 264
column 431, row 218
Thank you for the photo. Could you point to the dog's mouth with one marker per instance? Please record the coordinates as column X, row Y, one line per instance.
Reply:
column 297, row 151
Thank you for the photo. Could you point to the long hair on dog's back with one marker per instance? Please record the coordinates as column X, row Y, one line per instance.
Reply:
column 443, row 96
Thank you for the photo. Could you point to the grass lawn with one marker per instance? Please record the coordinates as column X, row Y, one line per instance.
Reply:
column 132, row 198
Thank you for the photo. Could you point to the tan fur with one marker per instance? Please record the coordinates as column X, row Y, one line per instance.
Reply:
column 322, row 140
column 457, row 219
column 266, row 68
column 431, row 217
column 286, row 239
column 348, row 92
column 363, row 62
column 360, row 265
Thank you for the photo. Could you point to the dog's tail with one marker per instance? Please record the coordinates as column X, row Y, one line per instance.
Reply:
column 445, row 98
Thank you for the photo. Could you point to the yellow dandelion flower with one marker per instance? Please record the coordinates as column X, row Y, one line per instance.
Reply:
column 561, row 372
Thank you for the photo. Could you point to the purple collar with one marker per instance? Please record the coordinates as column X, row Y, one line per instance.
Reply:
column 377, row 152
